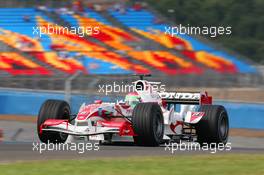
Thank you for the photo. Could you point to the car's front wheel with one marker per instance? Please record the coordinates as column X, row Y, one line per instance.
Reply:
column 53, row 109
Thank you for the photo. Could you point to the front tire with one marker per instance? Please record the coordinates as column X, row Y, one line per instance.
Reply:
column 148, row 124
column 53, row 109
column 214, row 125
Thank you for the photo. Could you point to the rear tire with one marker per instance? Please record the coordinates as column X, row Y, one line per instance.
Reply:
column 148, row 124
column 214, row 125
column 53, row 109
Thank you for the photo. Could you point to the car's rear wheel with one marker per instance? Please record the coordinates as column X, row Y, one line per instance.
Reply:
column 53, row 109
column 214, row 126
column 148, row 124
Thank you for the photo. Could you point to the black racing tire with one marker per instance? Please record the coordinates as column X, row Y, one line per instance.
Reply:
column 148, row 124
column 53, row 109
column 214, row 125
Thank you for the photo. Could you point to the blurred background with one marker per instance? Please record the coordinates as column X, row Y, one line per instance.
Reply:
column 131, row 40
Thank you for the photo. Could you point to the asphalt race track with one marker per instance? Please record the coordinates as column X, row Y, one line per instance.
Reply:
column 15, row 151
column 19, row 138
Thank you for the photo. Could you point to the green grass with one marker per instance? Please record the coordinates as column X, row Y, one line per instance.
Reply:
column 244, row 164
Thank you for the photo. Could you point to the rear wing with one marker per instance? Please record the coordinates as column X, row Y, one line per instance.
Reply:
column 194, row 98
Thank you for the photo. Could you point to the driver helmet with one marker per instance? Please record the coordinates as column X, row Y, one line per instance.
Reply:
column 132, row 99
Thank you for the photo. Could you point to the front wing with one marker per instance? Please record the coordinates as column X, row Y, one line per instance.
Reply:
column 85, row 128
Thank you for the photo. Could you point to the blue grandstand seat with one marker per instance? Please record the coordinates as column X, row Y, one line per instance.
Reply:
column 70, row 19
column 89, row 13
column 97, row 16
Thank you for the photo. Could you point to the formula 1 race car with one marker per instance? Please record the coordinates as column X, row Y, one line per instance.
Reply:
column 146, row 117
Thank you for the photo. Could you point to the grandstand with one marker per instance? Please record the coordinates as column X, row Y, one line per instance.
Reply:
column 129, row 42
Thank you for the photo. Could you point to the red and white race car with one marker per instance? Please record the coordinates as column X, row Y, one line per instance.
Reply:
column 146, row 117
